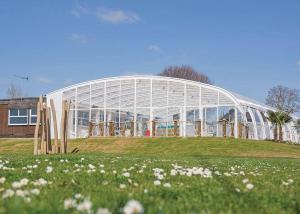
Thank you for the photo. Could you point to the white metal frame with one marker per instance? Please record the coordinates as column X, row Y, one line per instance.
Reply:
column 238, row 102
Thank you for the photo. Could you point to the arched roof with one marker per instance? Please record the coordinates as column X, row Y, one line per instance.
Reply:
column 236, row 98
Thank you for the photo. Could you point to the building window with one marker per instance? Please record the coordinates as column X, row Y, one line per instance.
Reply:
column 18, row 116
column 33, row 116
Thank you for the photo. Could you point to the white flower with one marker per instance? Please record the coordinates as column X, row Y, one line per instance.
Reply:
column 167, row 185
column 69, row 203
column 101, row 165
column 217, row 173
column 8, row 193
column 24, row 181
column 35, row 191
column 160, row 177
column 2, row 180
column 40, row 182
column 21, row 193
column 227, row 174
column 103, row 211
column 122, row 186
column 82, row 159
column 78, row 196
column 85, row 206
column 102, row 171
column 245, row 181
column 157, row 183
column 16, row 185
column 237, row 190
column 91, row 166
column 173, row 172
column 249, row 186
column 49, row 169
column 145, row 190
column 126, row 174
column 133, row 207
column 115, row 172
column 290, row 181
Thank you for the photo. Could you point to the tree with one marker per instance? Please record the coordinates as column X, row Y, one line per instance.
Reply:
column 297, row 124
column 284, row 99
column 185, row 72
column 278, row 119
column 272, row 117
column 14, row 92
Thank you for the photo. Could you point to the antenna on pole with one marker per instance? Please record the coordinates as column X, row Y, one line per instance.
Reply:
column 22, row 77
column 26, row 78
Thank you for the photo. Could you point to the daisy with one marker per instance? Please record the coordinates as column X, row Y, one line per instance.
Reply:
column 133, row 207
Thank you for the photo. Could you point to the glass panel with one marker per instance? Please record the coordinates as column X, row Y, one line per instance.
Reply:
column 159, row 93
column 143, row 93
column 248, row 116
column 82, row 123
column 97, row 95
column 143, row 122
column 160, row 118
column 176, row 94
column 210, row 121
column 23, row 112
column 226, row 121
column 13, row 112
column 18, row 120
column 97, row 116
column 33, row 120
column 33, row 111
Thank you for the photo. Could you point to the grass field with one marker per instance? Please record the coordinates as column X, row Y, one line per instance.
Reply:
column 164, row 175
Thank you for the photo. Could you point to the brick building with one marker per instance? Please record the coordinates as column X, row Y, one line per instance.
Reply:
column 18, row 117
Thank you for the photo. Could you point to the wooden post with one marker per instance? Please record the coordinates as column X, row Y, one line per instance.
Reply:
column 37, row 127
column 56, row 147
column 123, row 129
column 67, row 109
column 240, row 130
column 90, row 129
column 247, row 131
column 62, row 128
column 153, row 128
column 198, row 128
column 48, row 133
column 224, row 128
column 175, row 128
column 132, row 128
column 101, row 129
column 232, row 130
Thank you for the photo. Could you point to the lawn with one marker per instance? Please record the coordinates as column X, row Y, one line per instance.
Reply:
column 163, row 175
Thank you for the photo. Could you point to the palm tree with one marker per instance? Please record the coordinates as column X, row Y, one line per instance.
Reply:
column 278, row 119
column 283, row 119
column 272, row 117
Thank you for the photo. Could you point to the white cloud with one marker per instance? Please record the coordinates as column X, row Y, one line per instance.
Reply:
column 80, row 10
column 44, row 80
column 154, row 48
column 116, row 16
column 79, row 38
column 298, row 63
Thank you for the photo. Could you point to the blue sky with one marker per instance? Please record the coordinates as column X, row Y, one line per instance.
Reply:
column 244, row 46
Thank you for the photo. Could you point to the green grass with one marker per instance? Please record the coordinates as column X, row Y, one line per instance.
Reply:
column 266, row 165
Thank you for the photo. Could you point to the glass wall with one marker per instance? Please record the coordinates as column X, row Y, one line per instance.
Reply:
column 161, row 107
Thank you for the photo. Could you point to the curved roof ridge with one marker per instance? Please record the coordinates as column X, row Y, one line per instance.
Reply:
column 237, row 98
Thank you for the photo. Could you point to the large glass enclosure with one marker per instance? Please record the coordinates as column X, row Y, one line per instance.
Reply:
column 145, row 106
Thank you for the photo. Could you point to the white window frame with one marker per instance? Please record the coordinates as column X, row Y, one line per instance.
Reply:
column 17, row 124
column 30, row 116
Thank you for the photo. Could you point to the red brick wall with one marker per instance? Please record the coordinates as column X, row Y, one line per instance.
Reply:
column 13, row 131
